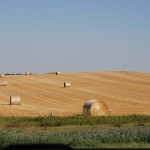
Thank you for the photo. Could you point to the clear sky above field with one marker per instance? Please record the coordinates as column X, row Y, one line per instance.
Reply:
column 41, row 36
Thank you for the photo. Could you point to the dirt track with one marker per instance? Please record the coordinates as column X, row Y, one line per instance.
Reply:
column 42, row 94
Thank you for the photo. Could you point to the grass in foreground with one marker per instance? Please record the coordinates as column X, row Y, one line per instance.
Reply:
column 90, row 137
column 77, row 131
column 54, row 121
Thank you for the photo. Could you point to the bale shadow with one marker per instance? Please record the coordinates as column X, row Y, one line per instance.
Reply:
column 5, row 104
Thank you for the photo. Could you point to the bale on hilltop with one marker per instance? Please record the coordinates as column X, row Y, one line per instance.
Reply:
column 15, row 100
column 57, row 73
column 2, row 75
column 95, row 108
column 27, row 73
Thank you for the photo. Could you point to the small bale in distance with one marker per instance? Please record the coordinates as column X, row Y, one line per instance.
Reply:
column 15, row 100
column 27, row 73
column 2, row 75
column 4, row 83
column 57, row 73
column 95, row 108
column 67, row 84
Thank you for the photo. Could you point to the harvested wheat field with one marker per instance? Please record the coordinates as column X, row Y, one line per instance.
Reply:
column 44, row 94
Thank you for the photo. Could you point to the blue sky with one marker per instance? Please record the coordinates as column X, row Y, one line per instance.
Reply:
column 41, row 36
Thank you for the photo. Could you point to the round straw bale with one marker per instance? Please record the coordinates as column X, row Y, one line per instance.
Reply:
column 15, row 100
column 95, row 108
column 57, row 73
column 67, row 84
column 4, row 83
column 2, row 75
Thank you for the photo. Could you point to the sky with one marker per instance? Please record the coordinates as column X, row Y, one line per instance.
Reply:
column 42, row 36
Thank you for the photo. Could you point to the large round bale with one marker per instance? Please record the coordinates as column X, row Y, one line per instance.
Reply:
column 95, row 108
column 15, row 100
column 57, row 73
column 67, row 84
column 2, row 75
column 4, row 83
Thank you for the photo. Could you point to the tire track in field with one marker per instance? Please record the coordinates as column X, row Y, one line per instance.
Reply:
column 42, row 98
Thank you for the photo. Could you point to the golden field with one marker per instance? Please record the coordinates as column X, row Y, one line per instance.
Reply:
column 44, row 94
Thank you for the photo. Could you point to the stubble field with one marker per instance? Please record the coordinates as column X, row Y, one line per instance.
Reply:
column 124, row 93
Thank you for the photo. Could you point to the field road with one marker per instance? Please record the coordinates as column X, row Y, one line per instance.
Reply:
column 43, row 94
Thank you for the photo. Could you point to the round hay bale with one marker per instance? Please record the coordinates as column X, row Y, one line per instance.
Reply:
column 67, row 84
column 95, row 108
column 4, row 83
column 2, row 75
column 15, row 100
column 57, row 73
